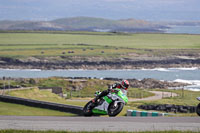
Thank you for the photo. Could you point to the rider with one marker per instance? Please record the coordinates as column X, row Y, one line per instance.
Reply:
column 123, row 85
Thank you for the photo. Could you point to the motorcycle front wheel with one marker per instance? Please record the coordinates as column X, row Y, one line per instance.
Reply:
column 115, row 110
column 198, row 109
column 87, row 109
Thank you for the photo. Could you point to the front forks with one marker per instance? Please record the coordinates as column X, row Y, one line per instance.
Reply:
column 116, row 103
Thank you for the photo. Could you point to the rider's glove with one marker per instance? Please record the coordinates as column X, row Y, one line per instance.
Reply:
column 116, row 91
column 114, row 85
column 110, row 88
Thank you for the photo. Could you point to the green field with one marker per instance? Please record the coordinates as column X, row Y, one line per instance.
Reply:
column 88, row 44
column 127, row 40
column 85, row 94
column 21, row 110
column 184, row 98
column 189, row 98
column 43, row 95
column 86, row 89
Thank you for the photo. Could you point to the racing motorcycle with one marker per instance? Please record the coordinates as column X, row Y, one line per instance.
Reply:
column 111, row 105
column 198, row 107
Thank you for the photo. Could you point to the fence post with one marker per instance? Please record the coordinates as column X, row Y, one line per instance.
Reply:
column 70, row 93
column 182, row 92
column 4, row 85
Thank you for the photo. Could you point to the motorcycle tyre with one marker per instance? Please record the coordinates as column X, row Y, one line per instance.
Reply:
column 198, row 109
column 120, row 107
column 85, row 109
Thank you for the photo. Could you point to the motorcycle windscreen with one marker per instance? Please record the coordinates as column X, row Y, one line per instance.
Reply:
column 122, row 95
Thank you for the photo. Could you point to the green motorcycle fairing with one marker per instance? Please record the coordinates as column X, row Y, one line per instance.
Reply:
column 122, row 95
column 97, row 111
column 102, row 109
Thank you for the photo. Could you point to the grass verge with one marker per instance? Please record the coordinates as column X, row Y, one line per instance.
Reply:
column 184, row 98
column 22, row 110
column 45, row 95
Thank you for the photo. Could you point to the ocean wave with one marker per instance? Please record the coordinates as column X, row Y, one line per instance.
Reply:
column 69, row 70
column 157, row 69
column 172, row 69
column 21, row 69
column 31, row 70
column 193, row 82
column 9, row 69
column 193, row 89
column 185, row 68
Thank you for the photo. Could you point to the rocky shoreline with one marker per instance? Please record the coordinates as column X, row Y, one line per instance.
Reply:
column 94, row 63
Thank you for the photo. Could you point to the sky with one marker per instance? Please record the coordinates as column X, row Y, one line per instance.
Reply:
column 152, row 10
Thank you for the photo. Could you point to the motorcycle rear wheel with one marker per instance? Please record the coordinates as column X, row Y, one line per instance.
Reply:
column 113, row 111
column 87, row 109
column 198, row 109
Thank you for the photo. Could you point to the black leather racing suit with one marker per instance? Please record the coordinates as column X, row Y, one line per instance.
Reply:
column 105, row 92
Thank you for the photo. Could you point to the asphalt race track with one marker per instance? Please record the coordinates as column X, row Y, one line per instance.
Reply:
column 100, row 123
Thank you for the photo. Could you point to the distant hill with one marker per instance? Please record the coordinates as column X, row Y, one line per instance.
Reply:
column 28, row 25
column 85, row 24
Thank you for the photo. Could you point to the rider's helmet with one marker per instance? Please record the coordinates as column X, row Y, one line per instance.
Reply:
column 125, row 84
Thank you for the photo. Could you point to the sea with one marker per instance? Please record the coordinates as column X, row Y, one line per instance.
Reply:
column 184, row 75
column 183, row 30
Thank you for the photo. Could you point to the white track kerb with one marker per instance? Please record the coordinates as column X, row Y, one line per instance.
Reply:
column 136, row 113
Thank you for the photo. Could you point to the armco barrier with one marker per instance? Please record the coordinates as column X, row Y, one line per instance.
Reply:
column 144, row 113
column 42, row 104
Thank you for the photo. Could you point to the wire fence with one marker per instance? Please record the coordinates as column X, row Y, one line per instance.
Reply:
column 79, row 94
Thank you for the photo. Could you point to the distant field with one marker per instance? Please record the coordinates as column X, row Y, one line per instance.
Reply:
column 124, row 40
column 86, row 43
